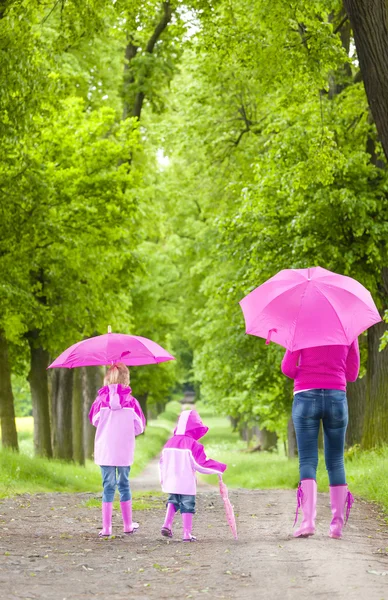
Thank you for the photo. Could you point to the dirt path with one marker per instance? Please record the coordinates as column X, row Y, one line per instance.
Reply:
column 49, row 549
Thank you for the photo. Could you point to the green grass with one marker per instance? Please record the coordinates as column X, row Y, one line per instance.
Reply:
column 23, row 473
column 366, row 471
column 140, row 501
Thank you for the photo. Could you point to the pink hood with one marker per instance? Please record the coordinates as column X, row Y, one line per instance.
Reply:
column 114, row 395
column 190, row 424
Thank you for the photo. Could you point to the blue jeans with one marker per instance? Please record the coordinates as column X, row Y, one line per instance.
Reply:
column 183, row 502
column 109, row 482
column 308, row 409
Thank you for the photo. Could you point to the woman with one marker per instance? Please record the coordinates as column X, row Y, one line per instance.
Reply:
column 320, row 375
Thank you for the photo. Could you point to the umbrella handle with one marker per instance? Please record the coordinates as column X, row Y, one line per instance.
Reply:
column 267, row 341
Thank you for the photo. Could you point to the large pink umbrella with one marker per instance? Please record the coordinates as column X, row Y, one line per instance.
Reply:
column 303, row 308
column 112, row 348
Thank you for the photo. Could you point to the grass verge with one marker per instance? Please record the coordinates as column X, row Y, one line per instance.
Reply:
column 140, row 501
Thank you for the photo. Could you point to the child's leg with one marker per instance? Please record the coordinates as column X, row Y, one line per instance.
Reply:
column 109, row 485
column 126, row 499
column 172, row 506
column 187, row 511
column 123, row 483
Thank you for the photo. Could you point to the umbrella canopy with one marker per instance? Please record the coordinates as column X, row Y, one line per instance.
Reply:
column 228, row 507
column 304, row 308
column 132, row 350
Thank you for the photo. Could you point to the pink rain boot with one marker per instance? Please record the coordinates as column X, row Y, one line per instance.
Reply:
column 339, row 498
column 187, row 520
column 166, row 530
column 126, row 512
column 307, row 501
column 106, row 519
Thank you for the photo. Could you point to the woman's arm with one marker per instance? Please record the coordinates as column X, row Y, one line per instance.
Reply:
column 290, row 363
column 353, row 362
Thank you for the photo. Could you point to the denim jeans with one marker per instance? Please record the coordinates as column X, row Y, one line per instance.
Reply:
column 109, row 482
column 308, row 409
column 183, row 502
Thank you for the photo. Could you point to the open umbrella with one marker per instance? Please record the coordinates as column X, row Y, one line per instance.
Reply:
column 228, row 507
column 304, row 308
column 110, row 348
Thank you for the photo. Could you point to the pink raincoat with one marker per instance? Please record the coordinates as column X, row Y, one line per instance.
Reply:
column 118, row 418
column 182, row 456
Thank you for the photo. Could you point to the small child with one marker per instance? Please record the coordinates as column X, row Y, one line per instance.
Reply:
column 181, row 457
column 118, row 418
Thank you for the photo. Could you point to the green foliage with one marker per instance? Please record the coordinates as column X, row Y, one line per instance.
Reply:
column 273, row 163
column 72, row 172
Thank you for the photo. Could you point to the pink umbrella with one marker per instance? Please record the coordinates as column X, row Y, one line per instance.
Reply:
column 112, row 348
column 228, row 507
column 303, row 308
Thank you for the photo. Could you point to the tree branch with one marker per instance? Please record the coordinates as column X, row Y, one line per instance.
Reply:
column 160, row 27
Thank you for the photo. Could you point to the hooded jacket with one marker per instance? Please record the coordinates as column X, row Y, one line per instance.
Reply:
column 183, row 455
column 118, row 418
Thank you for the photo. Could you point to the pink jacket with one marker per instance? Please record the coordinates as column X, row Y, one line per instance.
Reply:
column 118, row 418
column 182, row 456
column 323, row 367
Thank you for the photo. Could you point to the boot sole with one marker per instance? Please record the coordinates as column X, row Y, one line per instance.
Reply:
column 166, row 532
column 305, row 535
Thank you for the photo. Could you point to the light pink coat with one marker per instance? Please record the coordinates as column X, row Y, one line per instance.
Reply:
column 182, row 456
column 118, row 418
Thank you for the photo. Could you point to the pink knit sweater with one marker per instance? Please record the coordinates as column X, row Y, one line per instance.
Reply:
column 323, row 367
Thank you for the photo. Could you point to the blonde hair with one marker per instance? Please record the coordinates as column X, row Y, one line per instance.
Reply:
column 118, row 373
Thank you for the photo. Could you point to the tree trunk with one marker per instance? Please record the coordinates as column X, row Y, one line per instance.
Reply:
column 135, row 82
column 376, row 409
column 268, row 439
column 38, row 381
column 53, row 386
column 61, row 414
column 92, row 380
column 356, row 394
column 77, row 419
column 155, row 410
column 369, row 20
column 142, row 399
column 291, row 438
column 9, row 438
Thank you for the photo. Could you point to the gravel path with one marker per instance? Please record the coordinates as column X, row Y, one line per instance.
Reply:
column 49, row 549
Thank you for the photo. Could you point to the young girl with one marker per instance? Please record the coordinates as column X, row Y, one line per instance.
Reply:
column 181, row 457
column 118, row 418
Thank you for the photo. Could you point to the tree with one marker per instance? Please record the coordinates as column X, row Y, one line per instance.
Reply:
column 369, row 24
column 9, row 437
column 277, row 173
